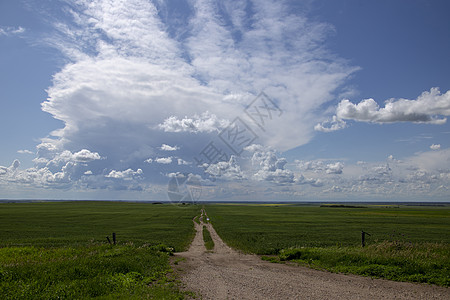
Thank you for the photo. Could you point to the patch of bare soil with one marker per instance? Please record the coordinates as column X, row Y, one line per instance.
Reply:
column 227, row 274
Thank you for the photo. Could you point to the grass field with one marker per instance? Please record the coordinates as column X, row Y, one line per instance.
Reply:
column 58, row 250
column 406, row 243
column 50, row 224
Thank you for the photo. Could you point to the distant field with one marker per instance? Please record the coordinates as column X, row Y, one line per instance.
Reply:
column 50, row 224
column 266, row 229
column 59, row 250
column 405, row 243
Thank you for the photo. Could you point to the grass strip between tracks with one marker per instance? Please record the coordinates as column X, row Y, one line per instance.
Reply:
column 209, row 243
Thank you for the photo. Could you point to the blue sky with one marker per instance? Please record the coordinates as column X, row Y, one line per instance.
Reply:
column 251, row 100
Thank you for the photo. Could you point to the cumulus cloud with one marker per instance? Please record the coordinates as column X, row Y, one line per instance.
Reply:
column 431, row 160
column 128, row 174
column 136, row 59
column 13, row 167
column 15, row 164
column 335, row 168
column 430, row 107
column 315, row 182
column 85, row 155
column 51, row 156
column 164, row 160
column 269, row 166
column 435, row 147
column 206, row 122
column 320, row 166
column 165, row 147
column 183, row 162
column 331, row 125
column 138, row 77
column 226, row 169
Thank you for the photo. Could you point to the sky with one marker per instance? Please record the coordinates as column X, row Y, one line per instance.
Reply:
column 189, row 100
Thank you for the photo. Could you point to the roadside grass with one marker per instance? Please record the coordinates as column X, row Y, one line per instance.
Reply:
column 406, row 243
column 59, row 250
column 400, row 261
column 207, row 239
column 123, row 271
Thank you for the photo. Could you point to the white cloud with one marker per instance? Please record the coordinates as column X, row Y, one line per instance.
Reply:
column 15, row 165
column 132, row 84
column 429, row 107
column 11, row 169
column 435, row 147
column 331, row 125
column 319, row 166
column 315, row 182
column 10, row 31
column 183, row 162
column 165, row 147
column 256, row 148
column 226, row 169
column 85, row 156
column 315, row 165
column 206, row 122
column 163, row 160
column 379, row 174
column 25, row 152
column 431, row 160
column 269, row 166
column 50, row 156
column 335, row 168
column 128, row 174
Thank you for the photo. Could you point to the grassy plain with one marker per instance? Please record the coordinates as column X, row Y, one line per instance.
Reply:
column 58, row 250
column 406, row 243
column 50, row 224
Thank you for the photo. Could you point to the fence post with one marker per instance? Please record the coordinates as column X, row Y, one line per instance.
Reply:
column 114, row 238
column 363, row 238
column 109, row 241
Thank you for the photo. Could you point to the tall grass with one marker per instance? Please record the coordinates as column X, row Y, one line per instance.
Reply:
column 207, row 239
column 124, row 271
column 400, row 261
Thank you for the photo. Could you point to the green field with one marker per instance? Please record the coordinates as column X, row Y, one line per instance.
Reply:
column 406, row 243
column 59, row 250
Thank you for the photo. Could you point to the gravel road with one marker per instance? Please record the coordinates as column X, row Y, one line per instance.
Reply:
column 227, row 274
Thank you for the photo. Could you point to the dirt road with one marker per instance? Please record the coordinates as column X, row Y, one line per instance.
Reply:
column 226, row 274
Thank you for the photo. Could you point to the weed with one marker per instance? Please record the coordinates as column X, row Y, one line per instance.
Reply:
column 428, row 262
column 209, row 243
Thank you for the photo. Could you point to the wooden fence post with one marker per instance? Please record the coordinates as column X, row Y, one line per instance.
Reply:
column 363, row 238
column 114, row 238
